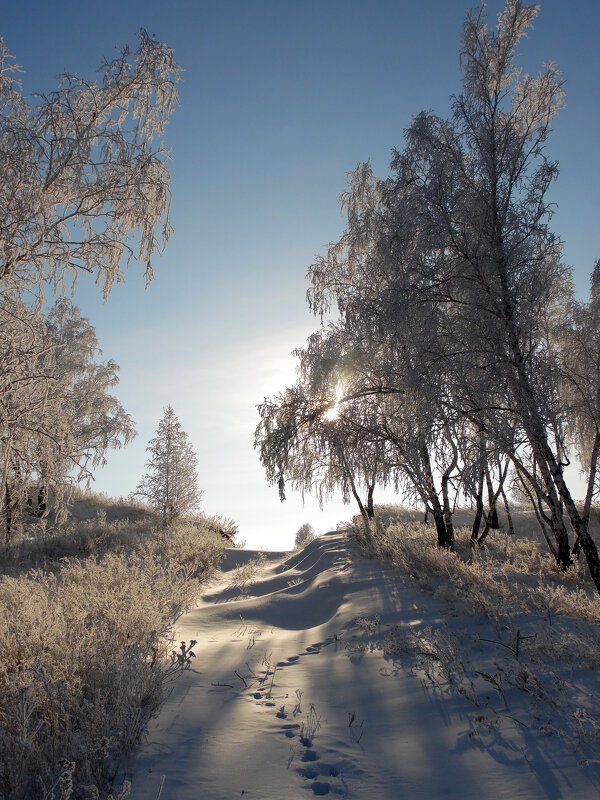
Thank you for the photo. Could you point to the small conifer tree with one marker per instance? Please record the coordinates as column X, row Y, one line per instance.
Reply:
column 171, row 482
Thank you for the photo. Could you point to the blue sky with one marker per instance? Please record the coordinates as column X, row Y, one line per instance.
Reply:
column 279, row 101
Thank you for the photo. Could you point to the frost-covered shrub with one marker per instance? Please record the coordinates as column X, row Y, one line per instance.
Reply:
column 85, row 659
column 506, row 575
column 194, row 547
column 304, row 535
column 186, row 542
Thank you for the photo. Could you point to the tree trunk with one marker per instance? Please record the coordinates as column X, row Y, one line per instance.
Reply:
column 561, row 537
column 478, row 506
column 364, row 515
column 447, row 513
column 591, row 478
column 362, row 509
column 370, row 506
column 445, row 538
column 493, row 512
column 492, row 516
column 511, row 528
column 556, row 488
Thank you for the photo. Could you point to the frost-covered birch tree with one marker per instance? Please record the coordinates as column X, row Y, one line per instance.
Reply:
column 84, row 187
column 580, row 386
column 449, row 283
column 170, row 484
column 58, row 416
column 480, row 181
column 84, row 183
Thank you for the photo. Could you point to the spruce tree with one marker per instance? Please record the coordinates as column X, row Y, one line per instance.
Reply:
column 171, row 482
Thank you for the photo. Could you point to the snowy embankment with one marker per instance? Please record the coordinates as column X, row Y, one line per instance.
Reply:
column 324, row 673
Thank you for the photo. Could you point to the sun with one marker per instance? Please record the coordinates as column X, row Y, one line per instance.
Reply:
column 333, row 412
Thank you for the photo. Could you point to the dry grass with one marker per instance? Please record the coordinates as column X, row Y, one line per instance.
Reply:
column 539, row 652
column 507, row 575
column 96, row 525
column 85, row 652
column 244, row 576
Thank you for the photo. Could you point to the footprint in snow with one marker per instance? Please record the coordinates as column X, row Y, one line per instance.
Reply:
column 310, row 755
column 281, row 713
column 321, row 788
column 288, row 662
column 309, row 774
column 290, row 730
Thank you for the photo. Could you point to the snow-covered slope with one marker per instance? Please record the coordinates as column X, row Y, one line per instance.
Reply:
column 301, row 687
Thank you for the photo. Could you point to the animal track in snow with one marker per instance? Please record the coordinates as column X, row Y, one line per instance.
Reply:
column 310, row 774
column 290, row 730
column 288, row 662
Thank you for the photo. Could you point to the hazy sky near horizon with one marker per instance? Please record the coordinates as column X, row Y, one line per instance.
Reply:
column 279, row 101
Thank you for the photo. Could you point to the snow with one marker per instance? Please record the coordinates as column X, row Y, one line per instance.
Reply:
column 294, row 693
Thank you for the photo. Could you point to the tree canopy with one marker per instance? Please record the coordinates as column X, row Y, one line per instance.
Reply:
column 84, row 182
column 449, row 351
column 84, row 186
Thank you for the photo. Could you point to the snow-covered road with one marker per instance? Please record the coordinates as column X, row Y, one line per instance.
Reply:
column 291, row 696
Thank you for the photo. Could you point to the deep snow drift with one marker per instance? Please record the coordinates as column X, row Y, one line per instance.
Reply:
column 303, row 685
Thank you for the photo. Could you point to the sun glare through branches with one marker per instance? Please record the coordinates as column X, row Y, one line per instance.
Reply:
column 333, row 411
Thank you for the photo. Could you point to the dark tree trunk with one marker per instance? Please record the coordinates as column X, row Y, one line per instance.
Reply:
column 478, row 507
column 502, row 473
column 492, row 517
column 447, row 513
column 355, row 494
column 556, row 497
column 511, row 528
column 561, row 537
column 445, row 537
column 370, row 506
